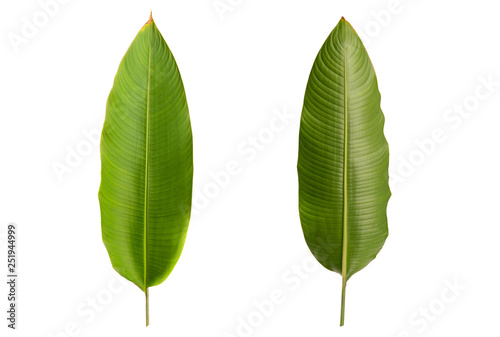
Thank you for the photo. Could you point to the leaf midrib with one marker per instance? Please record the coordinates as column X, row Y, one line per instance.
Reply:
column 146, row 173
column 344, row 224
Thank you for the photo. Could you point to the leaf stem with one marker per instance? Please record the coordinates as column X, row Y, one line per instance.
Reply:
column 147, row 306
column 342, row 306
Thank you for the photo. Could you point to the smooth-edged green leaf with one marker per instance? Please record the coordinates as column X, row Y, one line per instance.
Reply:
column 343, row 158
column 147, row 163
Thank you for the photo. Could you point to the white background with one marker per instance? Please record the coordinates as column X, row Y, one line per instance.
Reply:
column 245, row 244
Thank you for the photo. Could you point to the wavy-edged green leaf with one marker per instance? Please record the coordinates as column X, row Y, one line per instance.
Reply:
column 147, row 163
column 343, row 158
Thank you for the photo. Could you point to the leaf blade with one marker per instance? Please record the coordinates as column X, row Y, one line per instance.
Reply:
column 343, row 157
column 147, row 165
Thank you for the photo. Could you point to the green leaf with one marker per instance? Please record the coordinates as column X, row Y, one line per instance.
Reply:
column 147, row 163
column 343, row 158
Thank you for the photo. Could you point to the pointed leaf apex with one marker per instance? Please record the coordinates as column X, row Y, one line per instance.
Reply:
column 149, row 21
column 343, row 20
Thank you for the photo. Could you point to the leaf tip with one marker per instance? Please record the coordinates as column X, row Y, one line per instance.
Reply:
column 150, row 20
column 343, row 20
